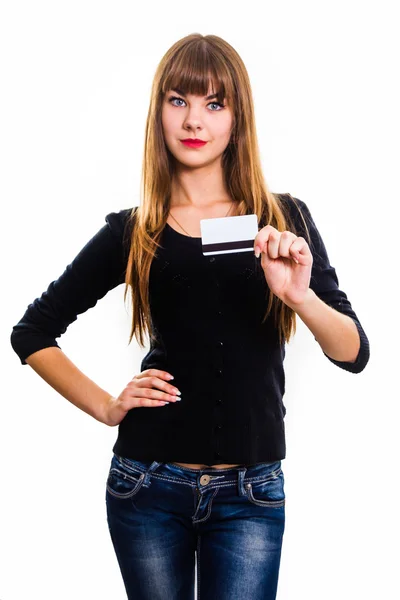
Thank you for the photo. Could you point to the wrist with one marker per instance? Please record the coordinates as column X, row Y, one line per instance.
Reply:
column 309, row 298
column 104, row 411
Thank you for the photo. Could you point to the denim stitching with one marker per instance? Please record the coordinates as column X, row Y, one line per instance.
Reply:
column 209, row 509
column 124, row 475
column 126, row 495
column 172, row 479
column 131, row 467
column 272, row 503
column 260, row 479
column 177, row 480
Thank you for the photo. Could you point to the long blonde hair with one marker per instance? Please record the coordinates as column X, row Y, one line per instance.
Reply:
column 191, row 64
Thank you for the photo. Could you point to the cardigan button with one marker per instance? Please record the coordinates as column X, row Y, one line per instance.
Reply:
column 219, row 372
column 212, row 259
column 218, row 427
column 217, row 454
column 219, row 401
column 220, row 343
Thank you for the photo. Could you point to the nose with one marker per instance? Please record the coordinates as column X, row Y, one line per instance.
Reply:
column 193, row 119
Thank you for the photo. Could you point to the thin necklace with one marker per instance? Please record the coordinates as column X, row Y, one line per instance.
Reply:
column 185, row 229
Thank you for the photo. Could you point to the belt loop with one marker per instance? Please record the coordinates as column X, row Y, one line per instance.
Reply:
column 154, row 465
column 241, row 475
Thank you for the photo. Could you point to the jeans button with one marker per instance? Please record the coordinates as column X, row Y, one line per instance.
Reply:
column 204, row 479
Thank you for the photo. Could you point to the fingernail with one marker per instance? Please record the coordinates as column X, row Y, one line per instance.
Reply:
column 257, row 252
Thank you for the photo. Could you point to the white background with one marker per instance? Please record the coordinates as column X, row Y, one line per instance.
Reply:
column 75, row 79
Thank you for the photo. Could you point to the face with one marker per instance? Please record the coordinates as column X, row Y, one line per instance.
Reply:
column 192, row 116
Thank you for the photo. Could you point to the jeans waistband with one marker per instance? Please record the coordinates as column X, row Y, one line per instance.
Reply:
column 205, row 476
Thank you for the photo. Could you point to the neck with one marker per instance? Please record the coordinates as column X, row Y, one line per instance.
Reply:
column 199, row 188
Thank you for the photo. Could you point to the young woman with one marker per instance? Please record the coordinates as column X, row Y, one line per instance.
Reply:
column 196, row 470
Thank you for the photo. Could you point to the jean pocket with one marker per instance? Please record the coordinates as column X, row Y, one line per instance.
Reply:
column 267, row 492
column 123, row 482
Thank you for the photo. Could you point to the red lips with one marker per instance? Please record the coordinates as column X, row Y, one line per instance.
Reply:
column 193, row 143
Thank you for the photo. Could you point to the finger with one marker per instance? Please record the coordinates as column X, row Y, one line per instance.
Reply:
column 261, row 239
column 156, row 382
column 148, row 402
column 148, row 396
column 164, row 375
column 299, row 249
column 140, row 401
column 286, row 242
column 279, row 243
column 271, row 247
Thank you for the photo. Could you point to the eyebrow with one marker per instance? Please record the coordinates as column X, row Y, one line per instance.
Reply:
column 206, row 97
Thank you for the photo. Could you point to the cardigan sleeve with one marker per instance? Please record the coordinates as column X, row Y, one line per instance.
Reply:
column 324, row 282
column 98, row 267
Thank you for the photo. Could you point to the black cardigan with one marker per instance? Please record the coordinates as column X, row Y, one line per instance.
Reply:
column 207, row 311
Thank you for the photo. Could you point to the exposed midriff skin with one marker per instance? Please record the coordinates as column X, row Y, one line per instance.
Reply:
column 204, row 466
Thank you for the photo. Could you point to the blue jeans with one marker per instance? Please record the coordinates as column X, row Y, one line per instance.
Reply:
column 162, row 517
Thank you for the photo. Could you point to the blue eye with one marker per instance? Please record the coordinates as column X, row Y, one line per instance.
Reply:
column 218, row 104
column 177, row 98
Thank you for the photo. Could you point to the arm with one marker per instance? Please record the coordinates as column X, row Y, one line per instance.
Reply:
column 327, row 311
column 58, row 371
column 337, row 334
column 99, row 267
